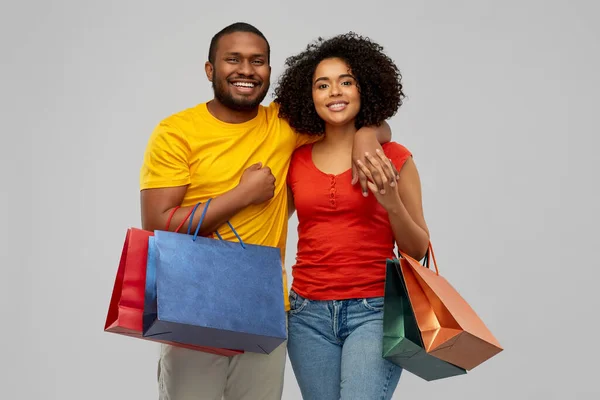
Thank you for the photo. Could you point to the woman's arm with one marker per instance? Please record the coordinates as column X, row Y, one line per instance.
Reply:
column 406, row 213
column 402, row 202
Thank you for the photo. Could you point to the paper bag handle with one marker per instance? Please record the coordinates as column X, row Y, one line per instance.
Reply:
column 171, row 214
column 202, row 220
column 429, row 255
column 427, row 259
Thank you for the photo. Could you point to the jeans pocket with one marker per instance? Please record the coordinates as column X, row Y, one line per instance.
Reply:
column 373, row 303
column 297, row 303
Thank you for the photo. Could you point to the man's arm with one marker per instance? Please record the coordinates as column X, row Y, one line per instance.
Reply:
column 165, row 179
column 383, row 132
column 157, row 204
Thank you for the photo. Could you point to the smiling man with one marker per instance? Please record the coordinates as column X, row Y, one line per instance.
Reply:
column 237, row 152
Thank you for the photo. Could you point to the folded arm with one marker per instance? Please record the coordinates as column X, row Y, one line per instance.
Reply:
column 157, row 204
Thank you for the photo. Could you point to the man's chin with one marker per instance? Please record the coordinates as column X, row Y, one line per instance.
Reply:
column 244, row 102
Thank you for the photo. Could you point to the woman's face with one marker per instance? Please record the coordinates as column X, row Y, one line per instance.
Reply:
column 335, row 92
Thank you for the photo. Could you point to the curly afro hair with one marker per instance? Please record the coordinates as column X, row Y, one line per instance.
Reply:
column 379, row 82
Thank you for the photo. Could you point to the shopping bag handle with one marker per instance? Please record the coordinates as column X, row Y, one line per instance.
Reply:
column 202, row 220
column 429, row 255
column 171, row 214
column 426, row 260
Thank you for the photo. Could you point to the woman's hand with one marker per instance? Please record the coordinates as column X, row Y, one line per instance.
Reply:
column 377, row 170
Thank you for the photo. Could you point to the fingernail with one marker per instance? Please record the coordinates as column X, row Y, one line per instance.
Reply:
column 392, row 183
column 365, row 194
column 382, row 191
column 377, row 150
column 366, row 153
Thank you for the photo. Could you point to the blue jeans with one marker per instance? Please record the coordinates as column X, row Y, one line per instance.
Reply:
column 335, row 348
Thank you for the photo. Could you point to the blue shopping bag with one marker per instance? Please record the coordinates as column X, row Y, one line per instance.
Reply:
column 215, row 293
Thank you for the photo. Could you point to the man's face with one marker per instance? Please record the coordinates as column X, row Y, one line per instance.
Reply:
column 241, row 73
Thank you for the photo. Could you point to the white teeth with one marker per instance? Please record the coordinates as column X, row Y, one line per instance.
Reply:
column 243, row 84
column 337, row 105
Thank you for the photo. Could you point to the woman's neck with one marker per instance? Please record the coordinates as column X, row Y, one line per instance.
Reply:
column 339, row 136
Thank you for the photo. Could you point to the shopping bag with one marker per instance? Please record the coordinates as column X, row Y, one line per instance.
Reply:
column 216, row 293
column 402, row 343
column 126, row 307
column 450, row 328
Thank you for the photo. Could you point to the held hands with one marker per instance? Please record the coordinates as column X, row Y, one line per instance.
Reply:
column 364, row 144
column 381, row 178
column 257, row 184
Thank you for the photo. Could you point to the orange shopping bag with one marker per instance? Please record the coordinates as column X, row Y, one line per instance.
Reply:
column 450, row 328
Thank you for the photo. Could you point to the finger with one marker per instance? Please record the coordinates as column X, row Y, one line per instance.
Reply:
column 363, row 176
column 379, row 177
column 396, row 172
column 255, row 166
column 354, row 175
column 372, row 187
column 388, row 167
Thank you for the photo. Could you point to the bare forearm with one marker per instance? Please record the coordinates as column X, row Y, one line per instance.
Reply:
column 383, row 132
column 221, row 209
column 410, row 237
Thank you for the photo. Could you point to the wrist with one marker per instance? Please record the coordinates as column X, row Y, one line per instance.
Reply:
column 241, row 195
column 366, row 131
column 395, row 207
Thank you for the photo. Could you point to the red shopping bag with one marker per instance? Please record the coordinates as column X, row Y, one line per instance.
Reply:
column 126, row 308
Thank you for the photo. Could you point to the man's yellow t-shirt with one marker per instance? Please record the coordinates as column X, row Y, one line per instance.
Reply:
column 194, row 148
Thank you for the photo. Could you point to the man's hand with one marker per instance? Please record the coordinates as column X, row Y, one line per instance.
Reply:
column 389, row 198
column 257, row 184
column 366, row 142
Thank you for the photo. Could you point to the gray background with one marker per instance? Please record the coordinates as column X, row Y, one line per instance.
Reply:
column 501, row 117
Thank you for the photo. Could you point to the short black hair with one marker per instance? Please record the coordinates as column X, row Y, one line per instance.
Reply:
column 378, row 78
column 233, row 28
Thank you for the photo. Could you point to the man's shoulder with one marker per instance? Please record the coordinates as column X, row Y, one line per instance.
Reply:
column 272, row 116
column 184, row 117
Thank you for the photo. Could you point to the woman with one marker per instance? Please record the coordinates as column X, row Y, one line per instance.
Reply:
column 336, row 320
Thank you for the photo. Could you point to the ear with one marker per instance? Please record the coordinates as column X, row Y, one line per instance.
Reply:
column 209, row 69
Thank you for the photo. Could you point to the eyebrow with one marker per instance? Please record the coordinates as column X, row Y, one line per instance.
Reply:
column 233, row 53
column 324, row 78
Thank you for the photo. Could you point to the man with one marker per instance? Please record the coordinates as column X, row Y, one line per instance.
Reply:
column 237, row 152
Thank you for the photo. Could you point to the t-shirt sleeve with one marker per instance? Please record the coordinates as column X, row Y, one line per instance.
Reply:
column 301, row 138
column 397, row 153
column 165, row 159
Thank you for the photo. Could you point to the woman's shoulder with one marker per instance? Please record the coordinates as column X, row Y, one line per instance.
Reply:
column 301, row 158
column 303, row 152
column 396, row 151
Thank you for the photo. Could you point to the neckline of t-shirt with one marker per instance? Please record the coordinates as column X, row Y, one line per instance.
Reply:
column 314, row 166
column 206, row 114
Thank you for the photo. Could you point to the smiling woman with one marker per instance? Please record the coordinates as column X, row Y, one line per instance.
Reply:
column 376, row 76
column 335, row 324
column 335, row 92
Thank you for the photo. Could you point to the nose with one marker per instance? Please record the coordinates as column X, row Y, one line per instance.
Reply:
column 335, row 91
column 245, row 68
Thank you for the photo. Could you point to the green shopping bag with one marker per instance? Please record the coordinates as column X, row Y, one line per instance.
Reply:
column 402, row 343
